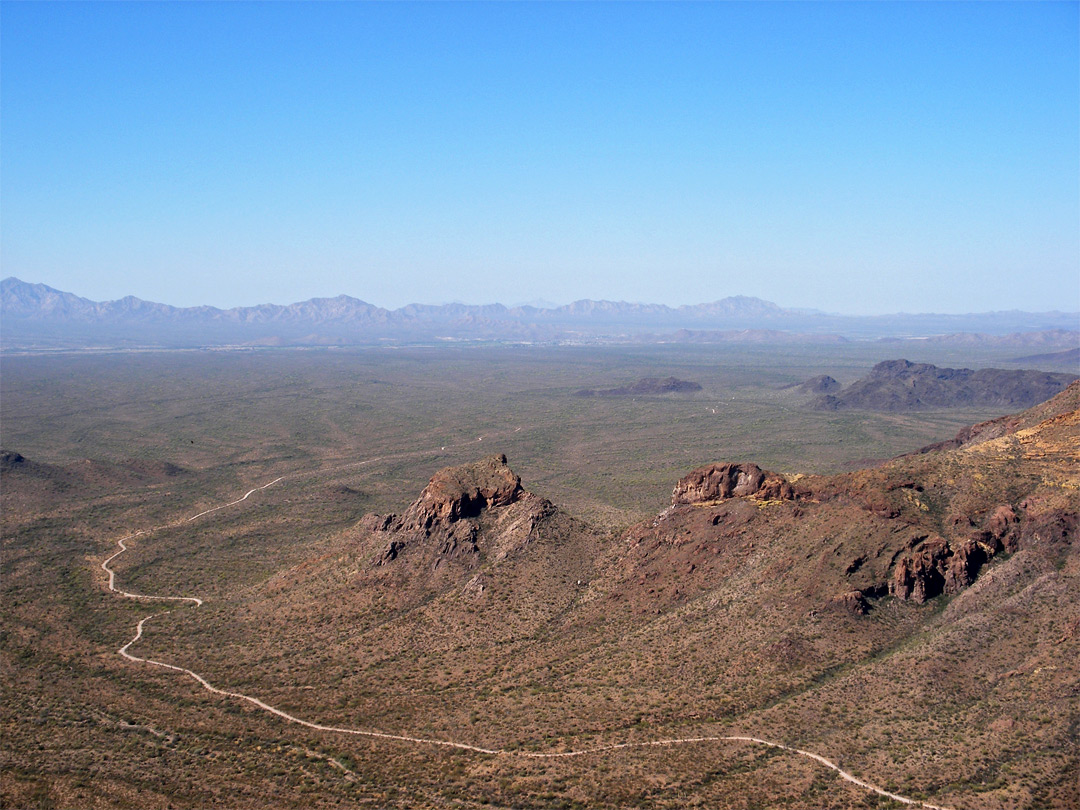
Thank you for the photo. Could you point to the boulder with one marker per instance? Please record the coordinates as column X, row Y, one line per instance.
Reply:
column 850, row 602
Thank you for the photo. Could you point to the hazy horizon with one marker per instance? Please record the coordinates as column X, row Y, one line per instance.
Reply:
column 547, row 304
column 857, row 159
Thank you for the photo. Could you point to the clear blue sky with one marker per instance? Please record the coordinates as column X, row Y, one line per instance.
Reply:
column 852, row 157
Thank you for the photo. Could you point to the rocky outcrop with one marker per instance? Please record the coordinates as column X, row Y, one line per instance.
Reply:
column 447, row 514
column 964, row 564
column 933, row 565
column 1001, row 529
column 938, row 567
column 920, row 575
column 719, row 481
column 461, row 492
column 850, row 602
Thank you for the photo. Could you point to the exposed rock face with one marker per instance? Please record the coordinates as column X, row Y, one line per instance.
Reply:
column 720, row 481
column 964, row 565
column 937, row 567
column 460, row 492
column 445, row 519
column 934, row 565
column 921, row 574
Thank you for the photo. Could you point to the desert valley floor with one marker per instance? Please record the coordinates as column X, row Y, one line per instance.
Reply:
column 444, row 577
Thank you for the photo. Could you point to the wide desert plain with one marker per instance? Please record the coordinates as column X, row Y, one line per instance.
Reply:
column 583, row 616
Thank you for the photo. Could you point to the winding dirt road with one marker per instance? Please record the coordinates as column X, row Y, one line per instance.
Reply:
column 421, row 740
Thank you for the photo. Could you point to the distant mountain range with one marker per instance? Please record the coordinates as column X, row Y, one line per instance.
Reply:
column 38, row 317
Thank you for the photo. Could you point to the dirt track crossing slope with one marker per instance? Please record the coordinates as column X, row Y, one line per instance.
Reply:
column 404, row 738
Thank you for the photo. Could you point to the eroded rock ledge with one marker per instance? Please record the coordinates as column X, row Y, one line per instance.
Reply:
column 719, row 481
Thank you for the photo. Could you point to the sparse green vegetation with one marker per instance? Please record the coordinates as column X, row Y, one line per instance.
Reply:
column 549, row 655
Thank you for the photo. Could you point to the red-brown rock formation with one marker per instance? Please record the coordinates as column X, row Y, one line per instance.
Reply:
column 719, row 481
column 458, row 492
column 445, row 519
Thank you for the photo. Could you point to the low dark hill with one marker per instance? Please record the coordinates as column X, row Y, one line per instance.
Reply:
column 644, row 387
column 30, row 484
column 900, row 385
column 823, row 384
column 1066, row 357
column 10, row 460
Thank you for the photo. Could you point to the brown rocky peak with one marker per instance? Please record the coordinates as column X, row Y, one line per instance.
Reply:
column 719, row 481
column 461, row 492
column 450, row 521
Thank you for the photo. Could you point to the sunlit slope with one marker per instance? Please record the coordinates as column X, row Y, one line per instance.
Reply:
column 917, row 620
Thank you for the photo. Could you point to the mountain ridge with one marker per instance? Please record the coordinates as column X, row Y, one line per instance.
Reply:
column 39, row 316
column 27, row 300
